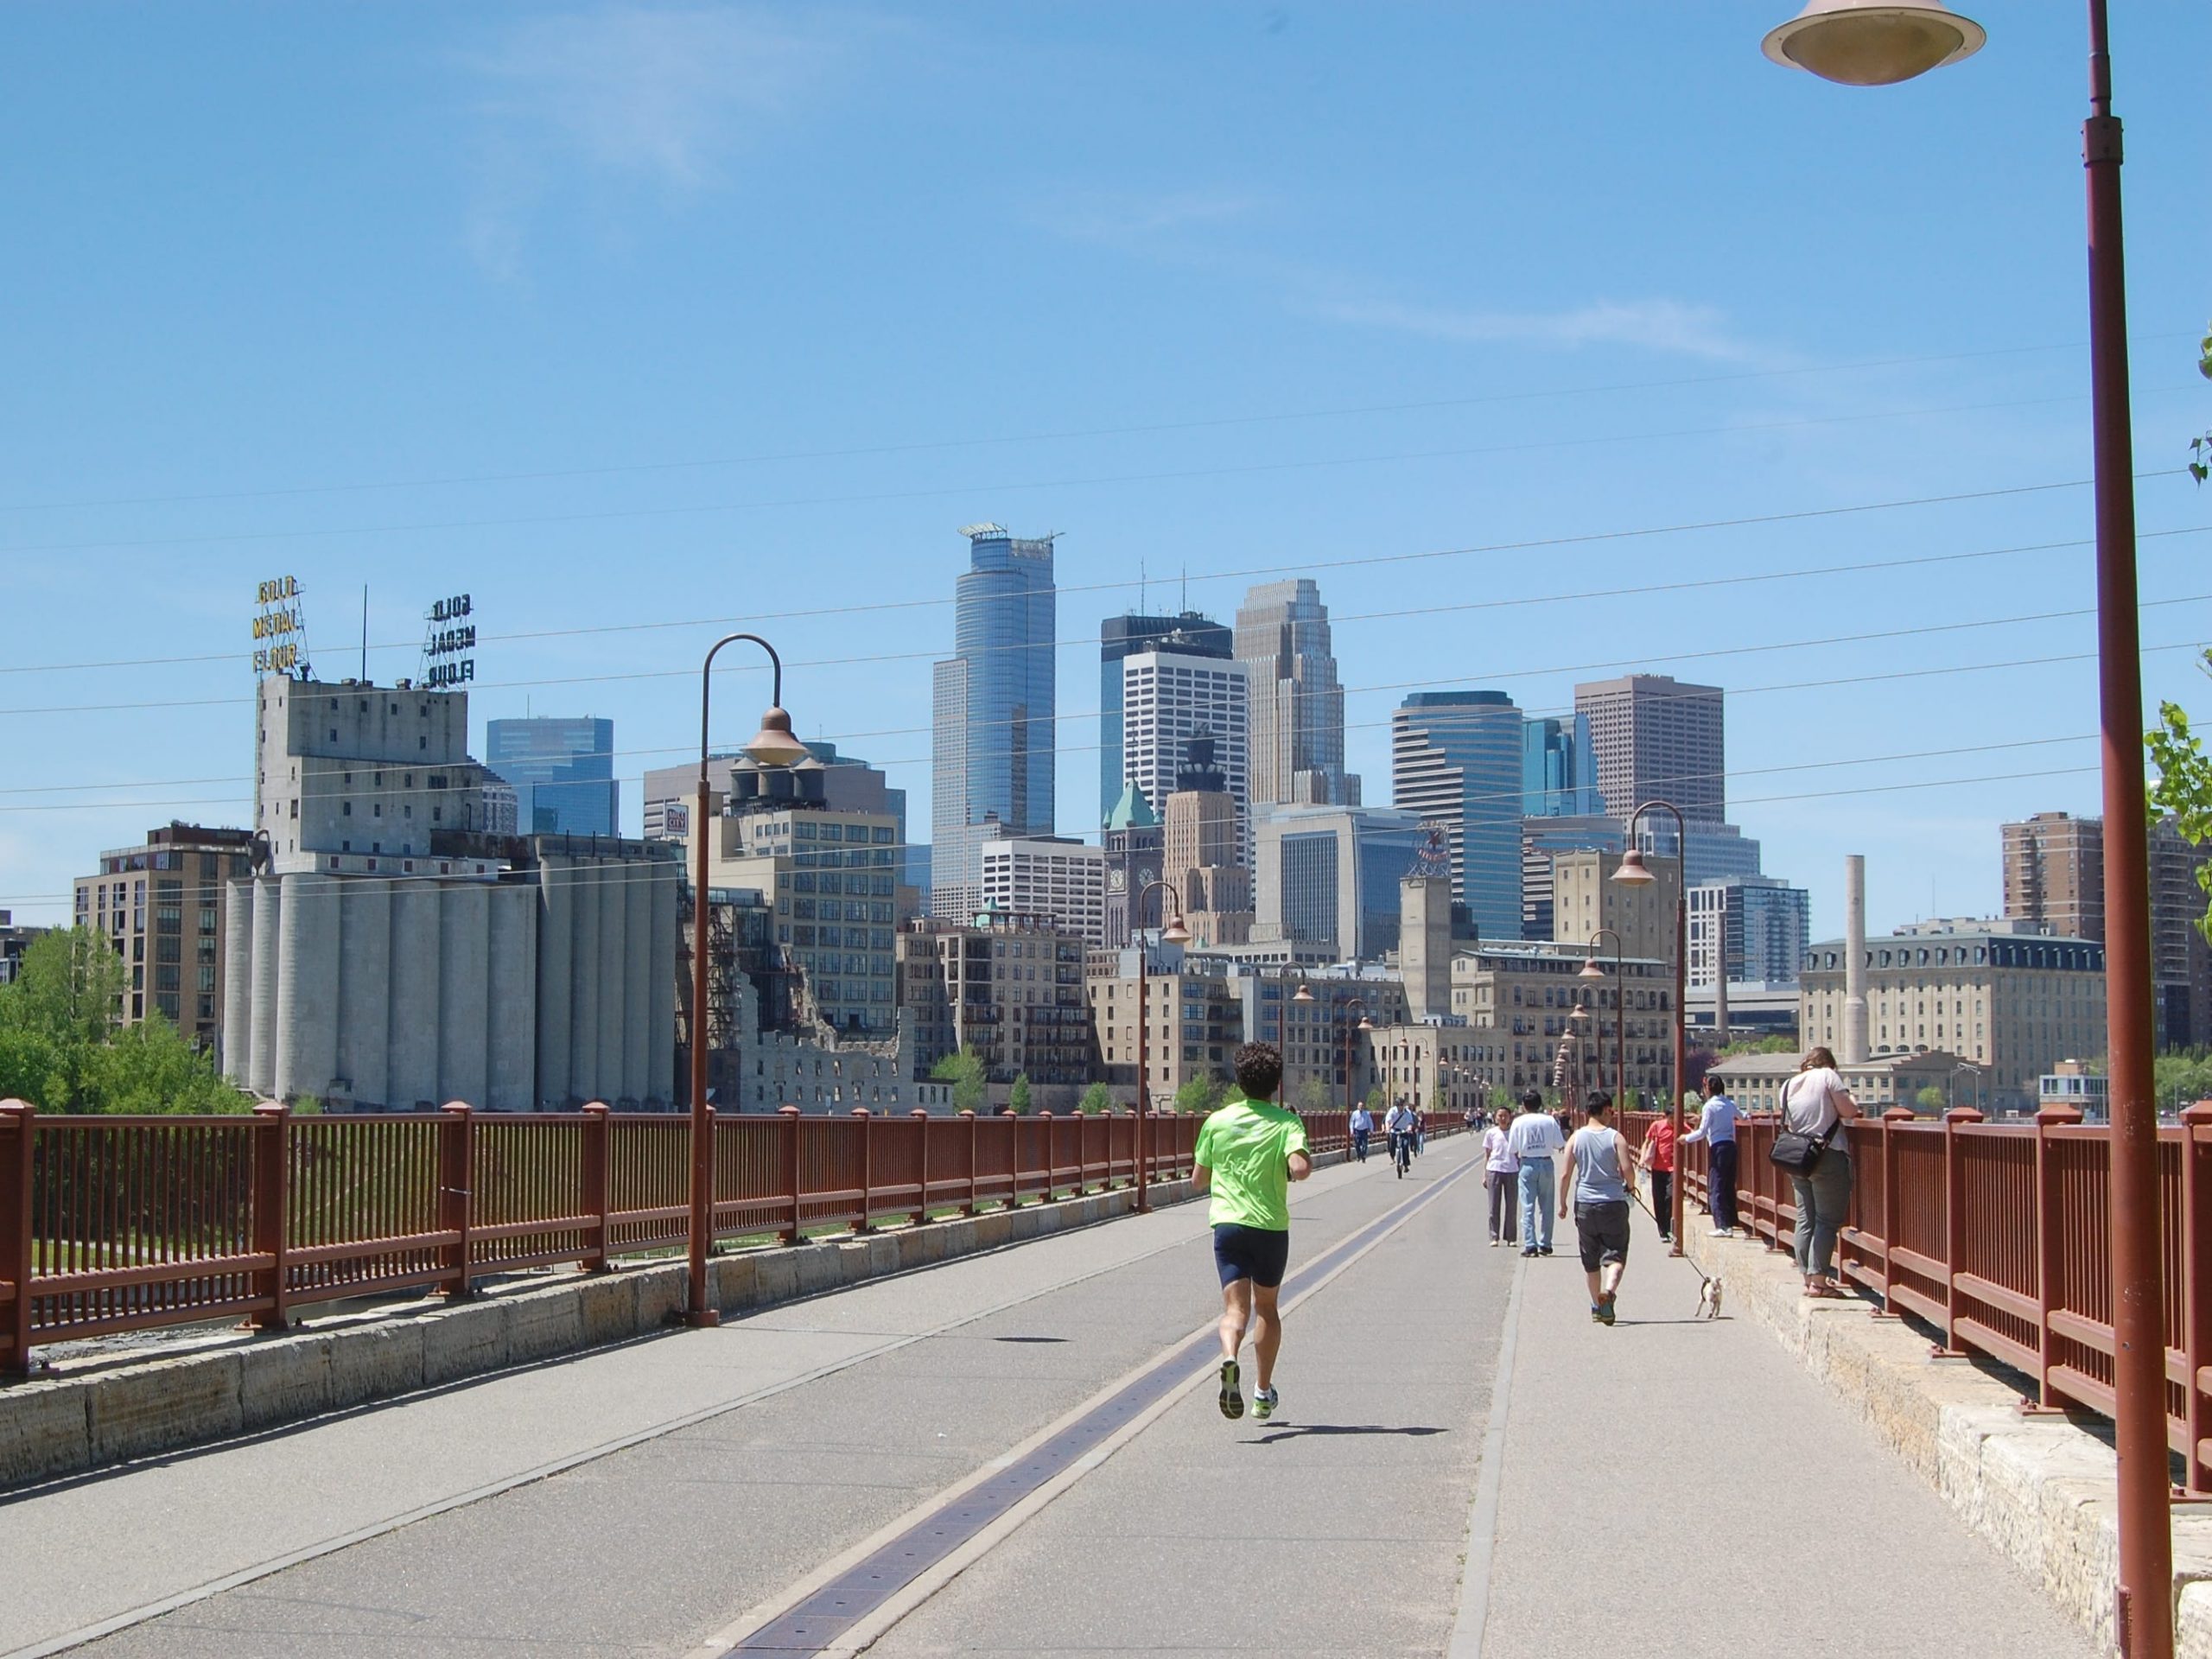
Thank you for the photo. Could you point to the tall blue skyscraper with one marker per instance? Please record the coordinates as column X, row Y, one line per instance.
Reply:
column 1456, row 760
column 1558, row 769
column 1120, row 637
column 562, row 771
column 994, row 712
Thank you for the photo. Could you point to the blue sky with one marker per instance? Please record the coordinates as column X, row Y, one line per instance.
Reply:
column 636, row 321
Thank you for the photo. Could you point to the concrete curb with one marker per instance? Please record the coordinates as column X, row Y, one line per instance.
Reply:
column 2040, row 1489
column 59, row 1426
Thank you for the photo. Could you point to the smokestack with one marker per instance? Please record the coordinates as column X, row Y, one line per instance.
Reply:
column 1854, row 959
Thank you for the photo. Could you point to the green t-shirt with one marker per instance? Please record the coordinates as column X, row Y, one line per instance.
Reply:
column 1248, row 1148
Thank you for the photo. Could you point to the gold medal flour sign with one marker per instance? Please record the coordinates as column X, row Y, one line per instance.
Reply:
column 279, row 632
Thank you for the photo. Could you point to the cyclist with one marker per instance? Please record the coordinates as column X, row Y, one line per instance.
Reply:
column 1399, row 1126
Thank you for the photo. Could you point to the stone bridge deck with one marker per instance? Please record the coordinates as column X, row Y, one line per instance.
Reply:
column 1020, row 1453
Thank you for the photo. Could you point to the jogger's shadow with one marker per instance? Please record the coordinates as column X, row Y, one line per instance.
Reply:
column 1295, row 1430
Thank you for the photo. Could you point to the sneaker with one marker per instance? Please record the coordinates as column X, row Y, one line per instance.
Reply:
column 1545, row 1249
column 1265, row 1404
column 1597, row 1315
column 1232, row 1392
column 1604, row 1309
column 1724, row 1232
column 1531, row 1250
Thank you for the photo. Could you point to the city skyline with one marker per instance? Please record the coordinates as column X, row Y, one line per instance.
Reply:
column 1293, row 361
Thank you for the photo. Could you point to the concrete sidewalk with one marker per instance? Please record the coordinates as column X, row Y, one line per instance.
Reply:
column 1674, row 1487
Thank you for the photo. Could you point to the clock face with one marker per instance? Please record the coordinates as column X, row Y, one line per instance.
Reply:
column 1146, row 876
column 1117, row 880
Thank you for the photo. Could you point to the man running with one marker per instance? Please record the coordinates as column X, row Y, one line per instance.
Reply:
column 1535, row 1141
column 1248, row 1152
column 1599, row 1168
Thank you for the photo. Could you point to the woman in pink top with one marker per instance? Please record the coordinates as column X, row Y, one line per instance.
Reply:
column 1502, row 1174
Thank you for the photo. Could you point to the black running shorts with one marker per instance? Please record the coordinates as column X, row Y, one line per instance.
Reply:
column 1253, row 1253
column 1602, row 1229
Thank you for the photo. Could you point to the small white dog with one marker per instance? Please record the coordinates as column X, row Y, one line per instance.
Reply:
column 1708, row 1300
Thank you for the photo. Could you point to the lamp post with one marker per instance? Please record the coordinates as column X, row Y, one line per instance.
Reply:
column 1592, row 971
column 1632, row 873
column 1365, row 1024
column 1862, row 44
column 771, row 746
column 1173, row 933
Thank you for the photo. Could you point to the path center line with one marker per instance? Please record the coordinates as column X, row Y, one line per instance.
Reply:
column 1481, row 1514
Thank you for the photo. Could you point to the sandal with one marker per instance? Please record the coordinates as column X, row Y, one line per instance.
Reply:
column 1824, row 1292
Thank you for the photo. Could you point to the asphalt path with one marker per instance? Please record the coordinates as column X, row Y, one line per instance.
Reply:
column 1663, row 1487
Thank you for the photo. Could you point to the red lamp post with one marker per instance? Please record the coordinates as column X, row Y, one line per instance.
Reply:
column 1592, row 971
column 1173, row 933
column 1632, row 873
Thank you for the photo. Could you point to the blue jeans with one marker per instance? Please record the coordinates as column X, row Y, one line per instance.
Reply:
column 1359, row 1145
column 1537, row 1195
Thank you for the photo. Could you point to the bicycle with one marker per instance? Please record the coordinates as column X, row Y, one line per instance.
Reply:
column 1401, row 1151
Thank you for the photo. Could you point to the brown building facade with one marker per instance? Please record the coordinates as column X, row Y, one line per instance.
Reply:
column 162, row 907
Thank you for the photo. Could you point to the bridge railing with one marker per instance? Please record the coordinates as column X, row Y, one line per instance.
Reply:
column 1998, row 1235
column 122, row 1224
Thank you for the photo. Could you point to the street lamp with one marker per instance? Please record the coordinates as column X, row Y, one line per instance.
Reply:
column 1865, row 44
column 771, row 746
column 1365, row 1024
column 1173, row 933
column 1592, row 971
column 1632, row 873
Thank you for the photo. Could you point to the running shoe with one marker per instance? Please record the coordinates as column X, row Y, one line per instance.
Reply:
column 1597, row 1315
column 1605, row 1308
column 1232, row 1392
column 1265, row 1404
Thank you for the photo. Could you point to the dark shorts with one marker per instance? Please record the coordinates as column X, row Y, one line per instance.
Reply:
column 1602, row 1229
column 1251, row 1253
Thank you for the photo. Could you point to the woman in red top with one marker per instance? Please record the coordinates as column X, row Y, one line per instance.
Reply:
column 1659, row 1158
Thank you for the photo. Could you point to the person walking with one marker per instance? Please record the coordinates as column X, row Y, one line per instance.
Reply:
column 1501, row 1175
column 1247, row 1154
column 1363, row 1126
column 1716, row 1127
column 1535, row 1141
column 1814, row 1103
column 1658, row 1158
column 1599, row 1168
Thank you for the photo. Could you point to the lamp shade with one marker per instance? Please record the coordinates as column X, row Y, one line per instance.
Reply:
column 1591, row 969
column 1175, row 933
column 1632, row 872
column 774, row 744
column 1856, row 44
column 1304, row 994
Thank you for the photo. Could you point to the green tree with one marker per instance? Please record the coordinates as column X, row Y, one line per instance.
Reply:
column 2200, row 449
column 1017, row 1100
column 2184, row 786
column 1315, row 1095
column 1501, row 1098
column 1097, row 1100
column 1931, row 1099
column 964, row 1071
column 148, row 1068
column 2182, row 1075
column 1376, row 1100
column 1199, row 1095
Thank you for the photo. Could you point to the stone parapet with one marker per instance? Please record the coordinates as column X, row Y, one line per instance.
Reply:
column 2042, row 1489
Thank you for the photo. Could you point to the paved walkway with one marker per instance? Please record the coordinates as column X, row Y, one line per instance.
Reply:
column 665, row 1498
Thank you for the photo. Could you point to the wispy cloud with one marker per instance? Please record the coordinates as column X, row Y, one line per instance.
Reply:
column 661, row 96
column 1701, row 331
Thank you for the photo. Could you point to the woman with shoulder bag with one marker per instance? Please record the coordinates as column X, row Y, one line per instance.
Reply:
column 1811, row 1144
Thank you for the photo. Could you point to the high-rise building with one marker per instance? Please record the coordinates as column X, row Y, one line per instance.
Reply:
column 1559, row 768
column 2054, row 876
column 1168, row 699
column 1331, row 873
column 15, row 940
column 1585, row 897
column 1120, row 637
column 1543, row 839
column 1202, row 850
column 1010, row 987
column 1456, row 760
column 1657, row 738
column 1050, row 878
column 562, row 771
column 1298, row 707
column 1759, row 923
column 995, row 709
column 164, row 907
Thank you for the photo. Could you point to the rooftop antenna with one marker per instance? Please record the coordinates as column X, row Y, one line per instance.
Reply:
column 1187, row 587
column 1139, row 584
column 364, row 633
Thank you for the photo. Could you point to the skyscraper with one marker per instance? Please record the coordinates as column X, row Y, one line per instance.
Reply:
column 1657, row 738
column 994, row 712
column 562, row 771
column 1168, row 698
column 1558, row 769
column 1122, row 636
column 1298, row 707
column 1456, row 759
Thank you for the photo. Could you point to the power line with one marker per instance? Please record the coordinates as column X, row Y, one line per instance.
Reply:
column 550, row 474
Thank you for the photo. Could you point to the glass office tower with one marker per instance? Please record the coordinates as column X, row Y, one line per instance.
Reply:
column 994, row 712
column 1456, row 759
column 562, row 771
column 1119, row 639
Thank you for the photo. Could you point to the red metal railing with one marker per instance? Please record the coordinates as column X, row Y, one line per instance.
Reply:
column 1998, row 1235
column 119, row 1223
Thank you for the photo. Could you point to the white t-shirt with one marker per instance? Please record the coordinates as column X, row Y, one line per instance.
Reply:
column 1808, row 1101
column 1535, row 1134
column 1497, row 1148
